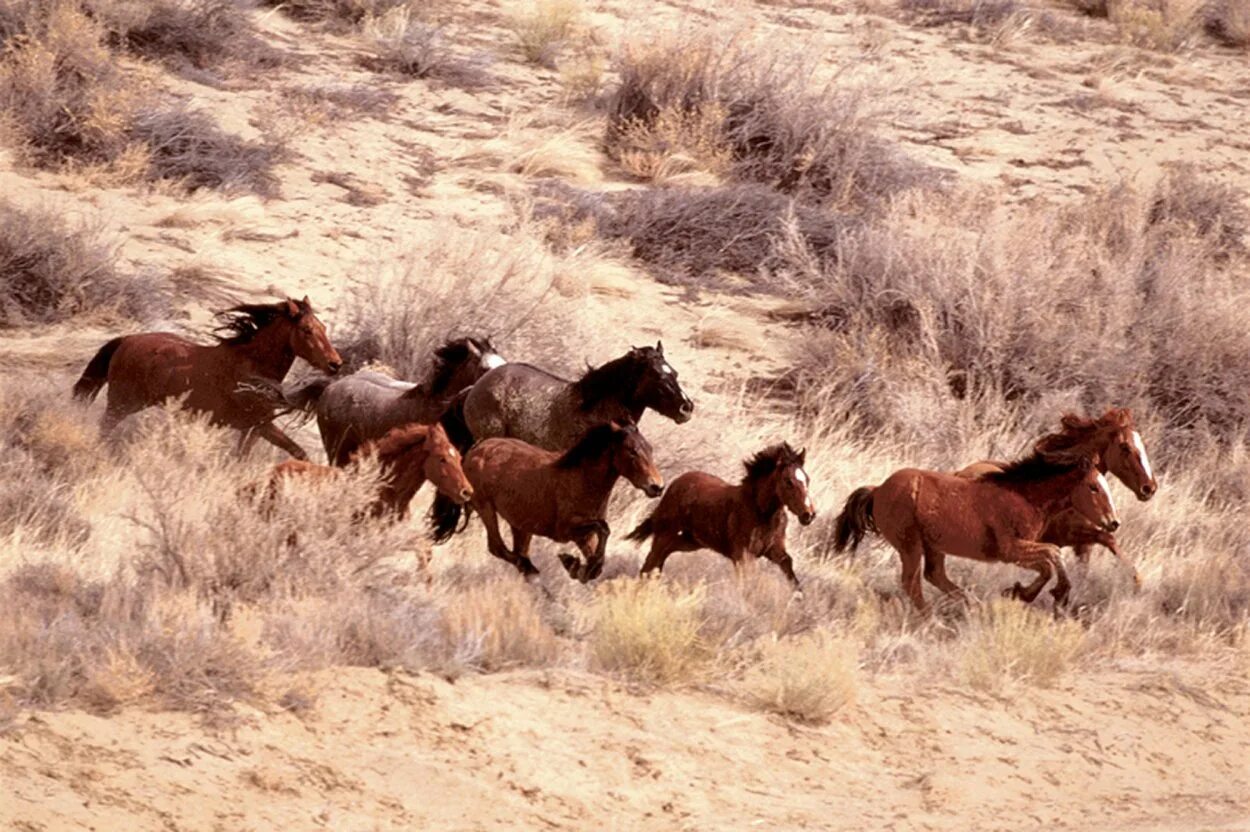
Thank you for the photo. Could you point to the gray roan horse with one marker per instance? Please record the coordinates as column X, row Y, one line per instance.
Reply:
column 519, row 401
column 365, row 405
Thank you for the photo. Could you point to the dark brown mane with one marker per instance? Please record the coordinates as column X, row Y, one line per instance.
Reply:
column 240, row 324
column 1035, row 467
column 395, row 442
column 592, row 445
column 1079, row 436
column 448, row 358
column 768, row 460
column 619, row 377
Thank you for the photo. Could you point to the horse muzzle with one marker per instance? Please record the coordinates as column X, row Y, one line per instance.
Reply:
column 653, row 489
column 465, row 495
column 1147, row 491
column 685, row 412
column 807, row 517
column 1110, row 525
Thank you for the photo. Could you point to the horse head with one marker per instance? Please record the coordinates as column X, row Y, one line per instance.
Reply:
column 657, row 386
column 443, row 466
column 308, row 336
column 779, row 470
column 1092, row 496
column 632, row 458
column 1125, row 454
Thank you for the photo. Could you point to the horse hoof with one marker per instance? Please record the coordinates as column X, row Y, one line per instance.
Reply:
column 1014, row 591
column 571, row 564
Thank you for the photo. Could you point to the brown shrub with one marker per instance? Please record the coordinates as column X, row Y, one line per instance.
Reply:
column 1229, row 22
column 187, row 147
column 201, row 33
column 400, row 43
column 335, row 12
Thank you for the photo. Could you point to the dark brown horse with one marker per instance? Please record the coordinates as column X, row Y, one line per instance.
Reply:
column 744, row 521
column 927, row 515
column 256, row 346
column 407, row 457
column 366, row 404
column 1114, row 440
column 561, row 496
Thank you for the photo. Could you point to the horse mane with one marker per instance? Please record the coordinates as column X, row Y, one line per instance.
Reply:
column 447, row 360
column 591, row 445
column 1078, row 434
column 598, row 383
column 768, row 460
column 1034, row 467
column 394, row 442
column 240, row 324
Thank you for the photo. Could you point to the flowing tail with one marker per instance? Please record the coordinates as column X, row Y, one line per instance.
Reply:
column 97, row 373
column 454, row 423
column 855, row 521
column 306, row 396
column 645, row 529
column 445, row 518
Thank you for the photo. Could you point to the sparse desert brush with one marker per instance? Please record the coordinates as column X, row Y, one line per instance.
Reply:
column 336, row 12
column 401, row 43
column 970, row 12
column 496, row 625
column 649, row 631
column 52, row 269
column 333, row 103
column 1007, row 642
column 807, row 678
column 675, row 144
column 188, row 148
column 201, row 33
column 1229, row 22
column 539, row 151
column 544, row 27
column 583, row 75
column 484, row 282
column 1165, row 25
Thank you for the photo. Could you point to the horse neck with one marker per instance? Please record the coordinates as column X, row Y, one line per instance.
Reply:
column 1049, row 493
column 761, row 497
column 268, row 352
column 616, row 407
column 593, row 480
column 402, row 476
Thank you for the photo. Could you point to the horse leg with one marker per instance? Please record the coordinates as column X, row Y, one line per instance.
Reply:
column 272, row 434
column 662, row 545
column 779, row 556
column 912, row 556
column 1042, row 558
column 935, row 572
column 1109, row 542
column 495, row 544
column 1062, row 587
column 591, row 565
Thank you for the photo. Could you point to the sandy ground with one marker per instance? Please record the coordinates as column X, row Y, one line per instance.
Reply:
column 1152, row 749
column 1127, row 750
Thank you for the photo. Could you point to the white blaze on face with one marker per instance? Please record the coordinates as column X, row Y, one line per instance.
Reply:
column 666, row 370
column 1141, row 455
column 492, row 360
column 801, row 476
column 1106, row 489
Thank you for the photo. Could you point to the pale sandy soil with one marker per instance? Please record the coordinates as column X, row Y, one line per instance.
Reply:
column 1145, row 749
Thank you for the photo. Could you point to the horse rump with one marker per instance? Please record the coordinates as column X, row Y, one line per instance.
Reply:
column 306, row 396
column 445, row 516
column 645, row 529
column 97, row 373
column 855, row 521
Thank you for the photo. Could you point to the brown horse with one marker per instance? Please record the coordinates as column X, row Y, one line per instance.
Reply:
column 744, row 521
column 407, row 456
column 1114, row 440
column 256, row 343
column 927, row 515
column 561, row 496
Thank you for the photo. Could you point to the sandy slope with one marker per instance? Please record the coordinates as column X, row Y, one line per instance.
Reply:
column 1127, row 750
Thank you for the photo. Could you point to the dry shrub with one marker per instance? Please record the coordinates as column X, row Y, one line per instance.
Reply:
column 807, row 678
column 968, row 12
column 1010, row 642
column 545, row 28
column 782, row 126
column 400, row 43
column 464, row 282
column 1165, row 25
column 187, row 147
column 336, row 12
column 649, row 632
column 674, row 144
column 52, row 270
column 1093, row 8
column 497, row 625
column 1229, row 22
column 201, row 33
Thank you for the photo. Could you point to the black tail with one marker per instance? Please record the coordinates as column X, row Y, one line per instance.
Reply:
column 97, row 373
column 306, row 397
column 645, row 529
column 855, row 521
column 445, row 518
column 454, row 423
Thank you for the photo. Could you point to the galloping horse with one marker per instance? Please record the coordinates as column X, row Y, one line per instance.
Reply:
column 927, row 515
column 408, row 456
column 748, row 520
column 523, row 402
column 255, row 343
column 365, row 404
column 559, row 496
column 1119, row 448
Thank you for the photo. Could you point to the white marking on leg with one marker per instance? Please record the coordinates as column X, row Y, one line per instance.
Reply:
column 1141, row 455
column 492, row 360
column 1106, row 489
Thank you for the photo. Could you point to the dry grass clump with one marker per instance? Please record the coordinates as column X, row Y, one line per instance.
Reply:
column 401, row 43
column 1008, row 642
column 807, row 678
column 1165, row 25
column 778, row 124
column 52, row 270
column 201, row 33
column 650, row 632
column 544, row 28
column 187, row 147
column 1228, row 21
column 336, row 12
column 498, row 624
column 485, row 282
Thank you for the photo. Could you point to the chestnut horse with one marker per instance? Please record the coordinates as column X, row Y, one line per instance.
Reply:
column 407, row 456
column 366, row 404
column 1114, row 440
column 744, row 521
column 999, row 518
column 559, row 496
column 524, row 402
column 256, row 343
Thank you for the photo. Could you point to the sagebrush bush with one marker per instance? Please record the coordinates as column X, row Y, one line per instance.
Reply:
column 1229, row 22
column 1166, row 25
column 1009, row 642
column 52, row 270
column 649, row 631
column 187, row 147
column 544, row 28
column 807, row 678
column 201, row 33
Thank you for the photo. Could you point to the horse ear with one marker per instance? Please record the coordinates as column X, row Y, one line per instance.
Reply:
column 659, row 347
column 292, row 308
column 802, row 456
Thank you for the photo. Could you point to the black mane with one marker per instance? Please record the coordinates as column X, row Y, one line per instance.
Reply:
column 618, row 377
column 592, row 444
column 1034, row 467
column 240, row 324
column 768, row 460
column 449, row 357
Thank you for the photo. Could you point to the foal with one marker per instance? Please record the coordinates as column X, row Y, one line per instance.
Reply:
column 744, row 521
column 408, row 456
column 559, row 496
column 927, row 515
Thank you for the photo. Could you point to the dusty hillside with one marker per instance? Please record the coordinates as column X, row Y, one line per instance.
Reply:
column 1027, row 210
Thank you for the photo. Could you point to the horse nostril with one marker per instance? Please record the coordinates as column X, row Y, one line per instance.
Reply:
column 1113, row 525
column 335, row 365
column 654, row 490
column 466, row 494
column 687, row 407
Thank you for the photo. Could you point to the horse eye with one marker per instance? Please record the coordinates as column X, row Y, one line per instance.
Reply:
column 1094, row 488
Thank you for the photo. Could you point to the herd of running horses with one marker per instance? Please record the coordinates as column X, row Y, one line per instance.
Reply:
column 512, row 442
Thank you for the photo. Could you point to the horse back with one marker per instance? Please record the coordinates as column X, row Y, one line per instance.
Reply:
column 703, row 507
column 956, row 515
column 521, row 482
column 523, row 401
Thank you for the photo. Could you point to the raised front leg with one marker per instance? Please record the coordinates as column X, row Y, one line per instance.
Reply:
column 592, row 540
column 273, row 434
column 778, row 555
column 1108, row 541
column 1042, row 558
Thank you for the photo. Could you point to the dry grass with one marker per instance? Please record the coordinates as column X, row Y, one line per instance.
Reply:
column 497, row 624
column 1165, row 25
column 1229, row 22
column 400, row 42
column 203, row 34
column 336, row 12
column 545, row 27
column 52, row 270
column 649, row 632
column 1008, row 642
column 808, row 678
